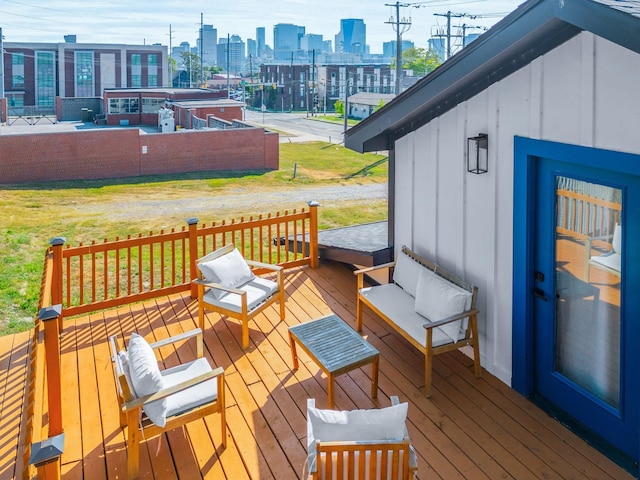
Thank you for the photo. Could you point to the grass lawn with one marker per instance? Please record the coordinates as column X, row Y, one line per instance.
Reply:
column 82, row 211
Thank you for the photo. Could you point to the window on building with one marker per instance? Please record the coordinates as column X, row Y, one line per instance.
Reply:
column 152, row 59
column 17, row 70
column 84, row 74
column 152, row 70
column 45, row 79
column 152, row 105
column 120, row 106
column 136, row 70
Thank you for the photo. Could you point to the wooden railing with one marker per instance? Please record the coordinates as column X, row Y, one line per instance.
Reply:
column 113, row 273
column 581, row 216
column 93, row 277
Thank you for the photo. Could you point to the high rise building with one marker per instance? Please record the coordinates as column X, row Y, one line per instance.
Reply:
column 352, row 37
column 207, row 44
column 260, row 38
column 252, row 47
column 235, row 62
column 311, row 42
column 389, row 48
column 286, row 40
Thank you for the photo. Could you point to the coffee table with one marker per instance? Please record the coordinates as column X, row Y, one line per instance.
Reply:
column 336, row 348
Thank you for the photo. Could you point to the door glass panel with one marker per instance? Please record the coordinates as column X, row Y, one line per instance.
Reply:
column 588, row 279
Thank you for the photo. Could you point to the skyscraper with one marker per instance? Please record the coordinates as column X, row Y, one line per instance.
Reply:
column 207, row 44
column 286, row 39
column 260, row 41
column 236, row 58
column 352, row 37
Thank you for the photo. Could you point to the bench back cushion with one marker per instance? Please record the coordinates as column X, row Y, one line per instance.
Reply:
column 406, row 273
column 437, row 299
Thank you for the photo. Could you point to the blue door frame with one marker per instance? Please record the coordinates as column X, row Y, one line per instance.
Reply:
column 527, row 152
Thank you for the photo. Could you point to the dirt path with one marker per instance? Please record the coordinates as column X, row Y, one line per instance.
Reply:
column 242, row 201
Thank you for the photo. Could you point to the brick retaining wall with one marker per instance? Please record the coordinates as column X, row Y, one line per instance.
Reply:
column 116, row 153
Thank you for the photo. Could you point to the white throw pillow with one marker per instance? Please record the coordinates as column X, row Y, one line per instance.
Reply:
column 406, row 273
column 229, row 270
column 146, row 377
column 359, row 425
column 437, row 299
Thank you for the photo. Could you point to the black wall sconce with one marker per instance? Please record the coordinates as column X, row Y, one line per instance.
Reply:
column 478, row 154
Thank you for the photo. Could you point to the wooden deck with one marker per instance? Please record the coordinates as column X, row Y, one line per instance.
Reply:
column 469, row 429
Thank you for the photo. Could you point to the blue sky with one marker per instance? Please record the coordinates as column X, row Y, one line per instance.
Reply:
column 140, row 22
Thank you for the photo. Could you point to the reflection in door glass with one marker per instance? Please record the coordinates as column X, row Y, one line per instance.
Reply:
column 588, row 279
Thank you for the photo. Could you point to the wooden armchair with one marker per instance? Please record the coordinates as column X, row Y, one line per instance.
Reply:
column 359, row 444
column 610, row 261
column 154, row 401
column 227, row 285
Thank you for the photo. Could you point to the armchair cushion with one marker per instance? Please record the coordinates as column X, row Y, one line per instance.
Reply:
column 258, row 290
column 358, row 425
column 146, row 377
column 437, row 299
column 229, row 270
column 200, row 394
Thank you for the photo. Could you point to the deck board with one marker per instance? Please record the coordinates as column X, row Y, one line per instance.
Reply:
column 469, row 429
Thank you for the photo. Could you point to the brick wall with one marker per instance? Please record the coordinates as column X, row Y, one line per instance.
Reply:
column 99, row 154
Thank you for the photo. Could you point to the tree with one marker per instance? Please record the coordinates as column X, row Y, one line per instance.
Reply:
column 420, row 60
column 379, row 105
column 339, row 107
column 191, row 63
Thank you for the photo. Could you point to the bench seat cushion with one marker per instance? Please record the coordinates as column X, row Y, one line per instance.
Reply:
column 258, row 290
column 185, row 400
column 399, row 307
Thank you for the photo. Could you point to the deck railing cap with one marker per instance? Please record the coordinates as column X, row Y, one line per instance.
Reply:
column 57, row 241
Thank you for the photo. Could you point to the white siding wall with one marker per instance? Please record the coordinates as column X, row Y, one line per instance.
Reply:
column 584, row 93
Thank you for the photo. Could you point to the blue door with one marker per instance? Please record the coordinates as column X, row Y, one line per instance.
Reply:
column 586, row 293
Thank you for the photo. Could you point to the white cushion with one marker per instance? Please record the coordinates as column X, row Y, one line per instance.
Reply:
column 616, row 242
column 399, row 307
column 258, row 290
column 437, row 299
column 185, row 400
column 359, row 425
column 406, row 273
column 146, row 377
column 610, row 260
column 229, row 270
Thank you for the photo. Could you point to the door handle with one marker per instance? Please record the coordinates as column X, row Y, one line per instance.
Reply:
column 539, row 293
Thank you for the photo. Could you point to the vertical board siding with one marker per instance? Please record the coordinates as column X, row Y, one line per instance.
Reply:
column 465, row 221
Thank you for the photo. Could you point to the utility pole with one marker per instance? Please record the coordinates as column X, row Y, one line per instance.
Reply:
column 169, row 56
column 400, row 26
column 201, row 51
column 228, row 55
column 448, row 35
column 313, row 82
column 293, row 90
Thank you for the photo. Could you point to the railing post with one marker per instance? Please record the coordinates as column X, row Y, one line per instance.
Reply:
column 48, row 316
column 57, row 283
column 313, row 234
column 46, row 455
column 193, row 254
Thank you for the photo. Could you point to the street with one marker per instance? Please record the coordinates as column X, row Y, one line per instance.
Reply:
column 296, row 127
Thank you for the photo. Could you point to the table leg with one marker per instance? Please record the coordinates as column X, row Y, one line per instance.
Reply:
column 294, row 353
column 330, row 379
column 374, row 377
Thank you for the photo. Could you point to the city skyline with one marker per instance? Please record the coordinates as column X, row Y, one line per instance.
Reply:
column 123, row 22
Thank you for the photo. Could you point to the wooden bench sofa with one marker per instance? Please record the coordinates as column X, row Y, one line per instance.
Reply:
column 430, row 307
